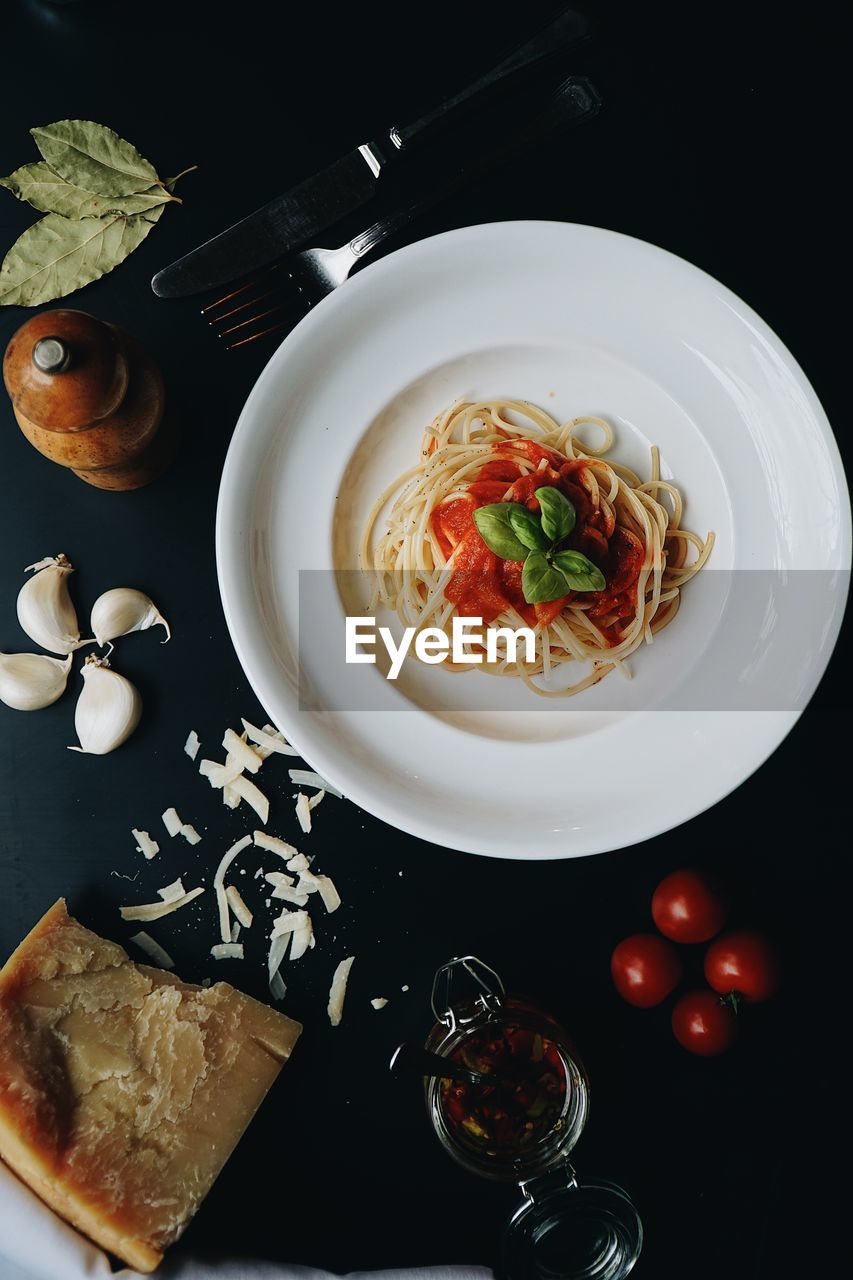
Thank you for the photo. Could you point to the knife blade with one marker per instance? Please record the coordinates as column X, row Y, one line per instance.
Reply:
column 289, row 221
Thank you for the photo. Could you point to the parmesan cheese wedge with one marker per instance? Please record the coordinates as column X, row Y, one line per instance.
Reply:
column 123, row 1091
column 338, row 991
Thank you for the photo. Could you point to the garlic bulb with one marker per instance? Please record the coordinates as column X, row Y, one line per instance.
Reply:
column 108, row 709
column 45, row 610
column 30, row 681
column 122, row 610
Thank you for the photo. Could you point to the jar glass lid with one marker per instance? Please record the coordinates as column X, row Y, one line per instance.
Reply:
column 566, row 1230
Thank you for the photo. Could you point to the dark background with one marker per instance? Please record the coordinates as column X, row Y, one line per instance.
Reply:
column 722, row 139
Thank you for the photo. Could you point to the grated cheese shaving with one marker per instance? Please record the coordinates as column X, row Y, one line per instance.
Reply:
column 379, row 1002
column 172, row 822
column 242, row 753
column 238, row 906
column 317, row 798
column 303, row 812
column 154, row 910
column 219, row 885
column 279, row 879
column 246, row 790
column 227, row 951
column 190, row 834
column 303, row 937
column 289, row 922
column 170, row 892
column 192, row 744
column 338, row 991
column 230, row 796
column 274, row 845
column 308, row 778
column 277, row 951
column 219, row 775
column 329, row 895
column 277, row 988
column 269, row 741
column 153, row 949
column 299, row 863
column 144, row 844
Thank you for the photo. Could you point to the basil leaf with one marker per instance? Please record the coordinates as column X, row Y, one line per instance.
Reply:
column 493, row 524
column 92, row 156
column 579, row 572
column 43, row 188
column 57, row 255
column 558, row 514
column 539, row 581
column 526, row 527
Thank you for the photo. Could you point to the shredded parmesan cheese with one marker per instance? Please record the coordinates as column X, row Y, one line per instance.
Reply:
column 227, row 951
column 238, row 906
column 317, row 798
column 329, row 895
column 171, row 892
column 246, row 790
column 303, row 812
column 230, row 796
column 236, row 929
column 219, row 775
column 278, row 948
column 269, row 741
column 299, row 863
column 242, row 753
column 303, row 937
column 190, row 834
column 277, row 988
column 219, row 886
column 144, row 844
column 192, row 744
column 379, row 1002
column 154, row 910
column 338, row 991
column 274, row 845
column 289, row 922
column 153, row 950
column 172, row 822
column 308, row 778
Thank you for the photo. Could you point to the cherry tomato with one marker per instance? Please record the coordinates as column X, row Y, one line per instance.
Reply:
column 645, row 969
column 743, row 963
column 702, row 1023
column 689, row 906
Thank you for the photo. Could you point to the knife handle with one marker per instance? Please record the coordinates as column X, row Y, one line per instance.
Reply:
column 573, row 101
column 567, row 27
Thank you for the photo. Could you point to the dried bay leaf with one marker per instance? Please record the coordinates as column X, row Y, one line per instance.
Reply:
column 46, row 191
column 58, row 255
column 94, row 157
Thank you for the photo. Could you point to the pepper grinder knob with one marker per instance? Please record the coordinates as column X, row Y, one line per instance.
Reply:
column 51, row 355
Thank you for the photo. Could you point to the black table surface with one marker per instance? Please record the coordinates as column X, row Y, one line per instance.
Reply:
column 721, row 140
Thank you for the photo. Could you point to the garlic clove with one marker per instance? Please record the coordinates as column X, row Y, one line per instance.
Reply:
column 45, row 610
column 122, row 610
column 108, row 708
column 30, row 681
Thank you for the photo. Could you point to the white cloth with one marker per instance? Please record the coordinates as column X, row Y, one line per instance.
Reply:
column 35, row 1244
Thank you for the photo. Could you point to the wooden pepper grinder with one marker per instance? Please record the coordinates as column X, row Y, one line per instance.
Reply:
column 88, row 396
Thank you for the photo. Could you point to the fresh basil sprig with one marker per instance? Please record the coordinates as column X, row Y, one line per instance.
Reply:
column 513, row 532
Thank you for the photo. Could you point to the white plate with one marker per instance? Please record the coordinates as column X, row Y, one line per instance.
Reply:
column 578, row 320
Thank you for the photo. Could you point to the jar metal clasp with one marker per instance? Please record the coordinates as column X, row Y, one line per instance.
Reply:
column 488, row 984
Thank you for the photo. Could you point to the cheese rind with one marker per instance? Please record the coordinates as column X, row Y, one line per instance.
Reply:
column 123, row 1091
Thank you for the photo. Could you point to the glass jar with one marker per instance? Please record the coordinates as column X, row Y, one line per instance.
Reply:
column 521, row 1125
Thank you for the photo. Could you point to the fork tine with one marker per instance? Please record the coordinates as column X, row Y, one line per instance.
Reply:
column 250, row 284
column 232, row 346
column 251, row 302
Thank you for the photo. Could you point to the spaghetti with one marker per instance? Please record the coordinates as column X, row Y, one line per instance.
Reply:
column 431, row 562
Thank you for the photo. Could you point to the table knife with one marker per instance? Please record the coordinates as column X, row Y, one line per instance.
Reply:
column 289, row 221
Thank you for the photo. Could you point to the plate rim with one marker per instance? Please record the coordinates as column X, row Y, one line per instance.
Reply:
column 779, row 723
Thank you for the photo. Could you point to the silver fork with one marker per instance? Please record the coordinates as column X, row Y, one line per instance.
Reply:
column 278, row 297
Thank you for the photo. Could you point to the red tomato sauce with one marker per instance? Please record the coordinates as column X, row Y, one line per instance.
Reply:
column 483, row 586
